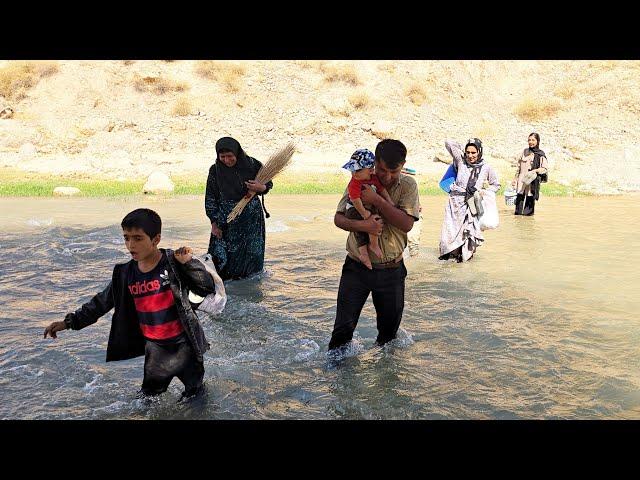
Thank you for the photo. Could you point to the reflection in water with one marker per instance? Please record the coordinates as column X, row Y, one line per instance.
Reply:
column 541, row 323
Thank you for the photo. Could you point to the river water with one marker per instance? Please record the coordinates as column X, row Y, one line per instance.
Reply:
column 541, row 323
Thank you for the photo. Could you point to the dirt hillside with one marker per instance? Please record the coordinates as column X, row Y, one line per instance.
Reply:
column 125, row 119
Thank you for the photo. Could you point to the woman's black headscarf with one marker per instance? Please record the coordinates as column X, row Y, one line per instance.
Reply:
column 231, row 179
column 537, row 155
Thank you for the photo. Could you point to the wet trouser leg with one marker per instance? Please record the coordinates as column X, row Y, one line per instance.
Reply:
column 163, row 362
column 352, row 294
column 525, row 205
column 388, row 298
column 356, row 282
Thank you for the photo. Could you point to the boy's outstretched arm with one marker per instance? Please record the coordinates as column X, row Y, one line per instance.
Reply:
column 89, row 313
column 193, row 272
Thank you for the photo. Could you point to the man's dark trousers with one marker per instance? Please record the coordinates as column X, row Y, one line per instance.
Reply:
column 386, row 286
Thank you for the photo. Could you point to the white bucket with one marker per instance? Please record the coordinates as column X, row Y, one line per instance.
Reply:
column 510, row 197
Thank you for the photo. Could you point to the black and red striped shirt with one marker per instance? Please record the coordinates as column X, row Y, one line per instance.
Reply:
column 154, row 302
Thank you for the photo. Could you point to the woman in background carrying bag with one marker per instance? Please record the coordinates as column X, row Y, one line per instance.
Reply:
column 532, row 170
column 461, row 233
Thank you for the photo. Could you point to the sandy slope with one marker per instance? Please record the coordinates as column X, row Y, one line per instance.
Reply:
column 89, row 119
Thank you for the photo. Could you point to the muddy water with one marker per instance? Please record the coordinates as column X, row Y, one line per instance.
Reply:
column 542, row 323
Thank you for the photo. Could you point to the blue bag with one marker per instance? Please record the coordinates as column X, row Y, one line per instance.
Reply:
column 448, row 179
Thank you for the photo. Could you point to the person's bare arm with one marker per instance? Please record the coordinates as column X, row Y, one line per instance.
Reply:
column 391, row 214
column 372, row 225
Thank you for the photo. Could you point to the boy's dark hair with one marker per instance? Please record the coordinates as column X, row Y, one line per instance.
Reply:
column 145, row 219
column 392, row 152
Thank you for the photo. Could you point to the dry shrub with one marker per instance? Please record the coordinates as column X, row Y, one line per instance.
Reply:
column 416, row 93
column 338, row 109
column 226, row 74
column 359, row 100
column 630, row 104
column 18, row 77
column 182, row 107
column 608, row 64
column 485, row 130
column 85, row 132
column 565, row 90
column 380, row 134
column 158, row 85
column 45, row 69
column 309, row 64
column 126, row 63
column 531, row 109
column 388, row 67
column 382, row 130
column 340, row 73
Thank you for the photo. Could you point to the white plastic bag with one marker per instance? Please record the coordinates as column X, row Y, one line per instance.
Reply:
column 489, row 218
column 212, row 303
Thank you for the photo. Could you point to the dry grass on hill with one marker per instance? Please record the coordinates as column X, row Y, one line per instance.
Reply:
column 227, row 74
column 182, row 107
column 158, row 85
column 105, row 116
column 534, row 109
column 17, row 78
column 340, row 73
column 565, row 90
column 360, row 100
column 388, row 67
column 416, row 93
column 338, row 109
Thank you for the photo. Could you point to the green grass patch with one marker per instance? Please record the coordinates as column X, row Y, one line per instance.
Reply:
column 553, row 189
column 14, row 183
column 429, row 186
column 24, row 184
column 313, row 183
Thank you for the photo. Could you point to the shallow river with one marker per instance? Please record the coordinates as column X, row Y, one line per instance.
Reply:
column 541, row 323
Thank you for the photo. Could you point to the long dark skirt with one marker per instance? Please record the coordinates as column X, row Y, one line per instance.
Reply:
column 529, row 205
column 240, row 252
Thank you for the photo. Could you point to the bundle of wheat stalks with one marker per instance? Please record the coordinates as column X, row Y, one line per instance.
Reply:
column 272, row 167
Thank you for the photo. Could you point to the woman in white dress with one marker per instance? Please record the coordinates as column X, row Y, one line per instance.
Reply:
column 461, row 233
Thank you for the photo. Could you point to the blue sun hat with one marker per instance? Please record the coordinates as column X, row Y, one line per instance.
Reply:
column 361, row 158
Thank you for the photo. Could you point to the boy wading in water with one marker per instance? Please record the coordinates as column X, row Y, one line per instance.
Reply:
column 152, row 316
column 361, row 165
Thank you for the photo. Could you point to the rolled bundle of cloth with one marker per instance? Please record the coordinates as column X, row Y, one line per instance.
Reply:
column 212, row 303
